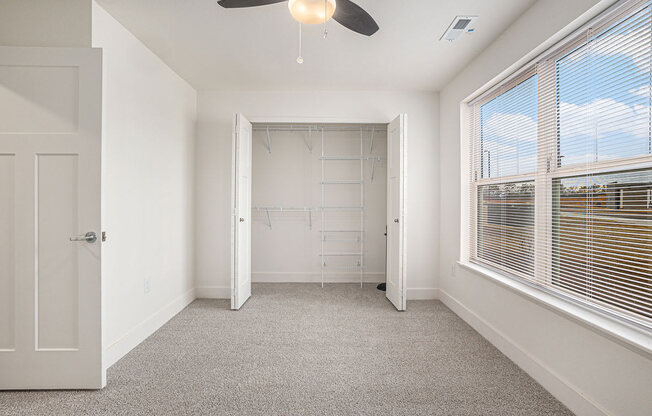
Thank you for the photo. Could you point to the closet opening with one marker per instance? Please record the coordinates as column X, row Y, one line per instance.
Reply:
column 319, row 203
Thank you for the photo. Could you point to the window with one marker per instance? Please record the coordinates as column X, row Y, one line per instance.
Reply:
column 508, row 132
column 604, row 250
column 561, row 168
column 506, row 226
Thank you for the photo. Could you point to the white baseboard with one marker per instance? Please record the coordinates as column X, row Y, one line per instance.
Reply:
column 312, row 277
column 564, row 391
column 213, row 292
column 219, row 292
column 422, row 293
column 131, row 339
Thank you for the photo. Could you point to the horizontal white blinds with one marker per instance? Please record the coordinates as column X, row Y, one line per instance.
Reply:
column 505, row 215
column 603, row 94
column 561, row 172
column 602, row 238
column 507, row 143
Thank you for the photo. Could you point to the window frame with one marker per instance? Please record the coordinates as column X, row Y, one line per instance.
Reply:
column 478, row 181
column 547, row 167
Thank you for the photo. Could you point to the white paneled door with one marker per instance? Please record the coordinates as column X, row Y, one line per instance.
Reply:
column 241, row 215
column 50, row 167
column 396, row 288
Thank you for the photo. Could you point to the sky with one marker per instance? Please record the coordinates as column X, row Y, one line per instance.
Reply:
column 603, row 92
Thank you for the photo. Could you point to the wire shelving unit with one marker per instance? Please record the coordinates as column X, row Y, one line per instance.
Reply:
column 359, row 233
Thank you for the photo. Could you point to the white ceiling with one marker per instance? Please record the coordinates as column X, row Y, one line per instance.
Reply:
column 256, row 48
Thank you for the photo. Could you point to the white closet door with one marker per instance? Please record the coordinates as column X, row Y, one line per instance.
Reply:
column 241, row 218
column 396, row 288
column 50, row 167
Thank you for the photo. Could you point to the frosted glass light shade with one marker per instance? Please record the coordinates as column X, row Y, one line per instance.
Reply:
column 312, row 12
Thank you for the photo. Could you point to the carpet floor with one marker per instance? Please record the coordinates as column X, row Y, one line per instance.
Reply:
column 297, row 349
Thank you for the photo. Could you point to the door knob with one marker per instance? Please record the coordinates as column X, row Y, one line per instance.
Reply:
column 396, row 220
column 89, row 237
column 241, row 219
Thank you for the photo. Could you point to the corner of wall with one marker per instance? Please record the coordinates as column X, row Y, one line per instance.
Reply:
column 139, row 333
column 562, row 389
column 144, row 192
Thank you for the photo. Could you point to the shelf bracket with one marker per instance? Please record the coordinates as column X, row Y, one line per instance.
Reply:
column 269, row 144
column 310, row 139
column 310, row 218
column 373, row 169
column 269, row 221
column 371, row 146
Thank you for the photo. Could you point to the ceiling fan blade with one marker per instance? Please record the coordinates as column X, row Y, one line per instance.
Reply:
column 233, row 4
column 353, row 17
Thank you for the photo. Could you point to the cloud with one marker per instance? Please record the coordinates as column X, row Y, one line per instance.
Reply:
column 511, row 128
column 611, row 45
column 644, row 91
column 608, row 116
column 511, row 140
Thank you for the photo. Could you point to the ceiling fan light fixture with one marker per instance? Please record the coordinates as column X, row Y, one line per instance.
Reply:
column 312, row 12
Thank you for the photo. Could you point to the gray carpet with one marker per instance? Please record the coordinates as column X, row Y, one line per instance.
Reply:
column 297, row 349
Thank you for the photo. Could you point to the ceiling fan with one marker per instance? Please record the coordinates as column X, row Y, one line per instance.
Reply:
column 345, row 12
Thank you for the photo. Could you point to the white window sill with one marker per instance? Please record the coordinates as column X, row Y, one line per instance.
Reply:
column 635, row 338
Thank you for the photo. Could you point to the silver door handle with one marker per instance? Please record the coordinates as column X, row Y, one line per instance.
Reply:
column 89, row 237
column 241, row 219
column 396, row 220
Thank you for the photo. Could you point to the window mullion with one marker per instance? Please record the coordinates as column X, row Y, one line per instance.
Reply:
column 546, row 154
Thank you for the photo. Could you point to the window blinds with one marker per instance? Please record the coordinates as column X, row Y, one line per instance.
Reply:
column 561, row 168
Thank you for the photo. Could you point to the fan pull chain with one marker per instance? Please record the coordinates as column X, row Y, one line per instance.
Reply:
column 300, row 58
column 325, row 18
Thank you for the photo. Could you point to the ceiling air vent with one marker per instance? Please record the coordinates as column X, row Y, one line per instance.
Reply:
column 459, row 25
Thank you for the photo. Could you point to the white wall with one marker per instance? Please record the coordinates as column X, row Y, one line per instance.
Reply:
column 213, row 169
column 589, row 371
column 149, row 118
column 290, row 176
column 45, row 23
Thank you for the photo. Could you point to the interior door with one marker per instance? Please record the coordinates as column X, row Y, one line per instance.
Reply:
column 241, row 218
column 50, row 189
column 396, row 287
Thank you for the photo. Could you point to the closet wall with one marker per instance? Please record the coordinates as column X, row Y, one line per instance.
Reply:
column 290, row 177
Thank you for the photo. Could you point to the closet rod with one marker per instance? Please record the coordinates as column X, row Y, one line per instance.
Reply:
column 376, row 158
column 313, row 128
column 281, row 209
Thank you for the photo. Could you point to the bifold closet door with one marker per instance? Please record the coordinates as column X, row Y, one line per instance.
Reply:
column 50, row 199
column 396, row 287
column 241, row 217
